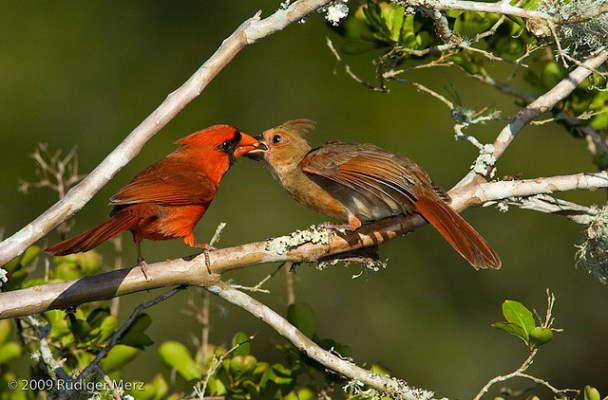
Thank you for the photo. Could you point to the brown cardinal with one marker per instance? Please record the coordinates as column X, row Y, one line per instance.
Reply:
column 168, row 198
column 362, row 182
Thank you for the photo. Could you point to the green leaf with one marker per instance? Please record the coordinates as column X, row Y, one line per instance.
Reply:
column 9, row 352
column 79, row 327
column 6, row 330
column 552, row 74
column 329, row 344
column 118, row 357
column 600, row 122
column 540, row 336
column 302, row 317
column 97, row 316
column 13, row 265
column 216, row 387
column 135, row 336
column 378, row 369
column 591, row 393
column 15, row 280
column 177, row 356
column 252, row 389
column 393, row 16
column 30, row 254
column 261, row 367
column 305, row 394
column 241, row 365
column 242, row 340
column 158, row 389
column 512, row 329
column 67, row 271
column 107, row 328
column 518, row 314
column 465, row 64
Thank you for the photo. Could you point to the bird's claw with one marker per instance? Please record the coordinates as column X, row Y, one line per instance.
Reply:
column 144, row 267
column 207, row 262
column 206, row 249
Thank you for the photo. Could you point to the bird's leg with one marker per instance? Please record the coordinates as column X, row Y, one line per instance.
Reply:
column 140, row 259
column 354, row 222
column 206, row 249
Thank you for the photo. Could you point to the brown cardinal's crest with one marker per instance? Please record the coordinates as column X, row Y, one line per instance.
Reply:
column 299, row 127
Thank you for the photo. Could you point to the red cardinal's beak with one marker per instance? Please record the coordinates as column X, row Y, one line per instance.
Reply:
column 258, row 153
column 246, row 144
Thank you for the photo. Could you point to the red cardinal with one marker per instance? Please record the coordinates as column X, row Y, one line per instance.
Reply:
column 167, row 199
column 362, row 182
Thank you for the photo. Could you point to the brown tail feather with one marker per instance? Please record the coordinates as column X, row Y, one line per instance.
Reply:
column 87, row 240
column 462, row 236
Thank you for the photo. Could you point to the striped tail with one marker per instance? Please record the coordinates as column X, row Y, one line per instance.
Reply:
column 462, row 236
column 87, row 240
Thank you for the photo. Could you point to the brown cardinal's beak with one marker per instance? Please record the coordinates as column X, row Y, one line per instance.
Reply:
column 246, row 145
column 258, row 153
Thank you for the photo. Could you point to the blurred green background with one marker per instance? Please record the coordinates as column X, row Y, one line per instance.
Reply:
column 86, row 73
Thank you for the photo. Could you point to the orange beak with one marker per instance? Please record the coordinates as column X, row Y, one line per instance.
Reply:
column 258, row 153
column 246, row 144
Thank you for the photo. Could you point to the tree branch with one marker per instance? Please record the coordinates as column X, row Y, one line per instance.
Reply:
column 485, row 192
column 303, row 246
column 500, row 7
column 505, row 8
column 384, row 384
column 249, row 32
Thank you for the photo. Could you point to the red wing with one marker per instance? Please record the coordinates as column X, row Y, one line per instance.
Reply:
column 168, row 181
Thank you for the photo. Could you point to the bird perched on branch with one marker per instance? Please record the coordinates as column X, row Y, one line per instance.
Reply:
column 168, row 198
column 361, row 183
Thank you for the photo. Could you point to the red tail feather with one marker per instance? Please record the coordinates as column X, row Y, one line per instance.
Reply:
column 462, row 236
column 87, row 240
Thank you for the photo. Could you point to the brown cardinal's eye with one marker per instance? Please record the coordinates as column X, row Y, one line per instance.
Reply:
column 277, row 139
column 226, row 146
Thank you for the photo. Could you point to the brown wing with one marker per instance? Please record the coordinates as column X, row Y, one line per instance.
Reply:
column 364, row 167
column 169, row 181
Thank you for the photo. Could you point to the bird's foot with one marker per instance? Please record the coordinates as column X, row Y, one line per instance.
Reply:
column 144, row 267
column 335, row 227
column 206, row 249
column 353, row 224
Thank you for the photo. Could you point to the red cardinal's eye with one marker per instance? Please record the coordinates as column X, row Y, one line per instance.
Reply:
column 226, row 145
column 276, row 139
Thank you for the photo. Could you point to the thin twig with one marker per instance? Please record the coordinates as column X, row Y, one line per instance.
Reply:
column 289, row 283
column 348, row 70
column 205, row 328
column 118, row 264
